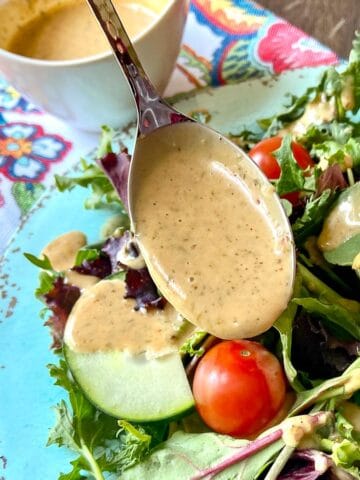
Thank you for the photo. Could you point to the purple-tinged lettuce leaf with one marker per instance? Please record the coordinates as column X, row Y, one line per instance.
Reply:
column 306, row 465
column 86, row 253
column 140, row 286
column 112, row 247
column 99, row 267
column 336, row 317
column 117, row 166
column 331, row 179
column 60, row 300
column 318, row 353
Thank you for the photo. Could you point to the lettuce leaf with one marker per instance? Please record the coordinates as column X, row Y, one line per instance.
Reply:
column 345, row 253
column 311, row 221
column 193, row 345
column 317, row 353
column 340, row 88
column 101, row 443
column 292, row 176
column 185, row 454
column 337, row 388
column 284, row 325
column 338, row 318
column 102, row 191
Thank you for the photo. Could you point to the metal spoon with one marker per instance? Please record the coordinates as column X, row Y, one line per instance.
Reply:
column 161, row 131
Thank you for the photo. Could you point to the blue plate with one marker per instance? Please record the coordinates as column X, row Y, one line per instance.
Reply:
column 26, row 390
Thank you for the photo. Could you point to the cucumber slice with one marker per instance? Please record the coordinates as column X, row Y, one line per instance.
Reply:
column 133, row 387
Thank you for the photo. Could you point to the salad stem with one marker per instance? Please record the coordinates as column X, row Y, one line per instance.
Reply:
column 92, row 462
column 245, row 452
column 284, row 326
column 279, row 463
column 319, row 288
column 260, row 443
column 350, row 175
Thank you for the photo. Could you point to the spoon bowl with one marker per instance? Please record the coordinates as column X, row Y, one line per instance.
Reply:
column 210, row 226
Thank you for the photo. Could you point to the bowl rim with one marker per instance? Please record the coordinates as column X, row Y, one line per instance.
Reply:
column 85, row 60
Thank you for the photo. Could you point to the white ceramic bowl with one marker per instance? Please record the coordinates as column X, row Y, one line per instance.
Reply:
column 91, row 92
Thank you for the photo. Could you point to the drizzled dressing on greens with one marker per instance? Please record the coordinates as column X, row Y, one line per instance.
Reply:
column 62, row 253
column 103, row 319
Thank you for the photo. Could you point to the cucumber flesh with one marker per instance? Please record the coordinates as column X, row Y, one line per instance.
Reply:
column 133, row 387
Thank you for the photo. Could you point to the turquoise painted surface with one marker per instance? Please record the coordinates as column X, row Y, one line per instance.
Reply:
column 26, row 390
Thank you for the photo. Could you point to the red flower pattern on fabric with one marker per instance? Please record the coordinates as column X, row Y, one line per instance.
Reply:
column 285, row 47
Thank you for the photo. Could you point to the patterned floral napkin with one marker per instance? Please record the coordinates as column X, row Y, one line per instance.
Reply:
column 225, row 41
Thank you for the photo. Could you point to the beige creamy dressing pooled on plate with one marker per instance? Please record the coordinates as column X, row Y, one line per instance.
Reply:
column 207, row 233
column 69, row 30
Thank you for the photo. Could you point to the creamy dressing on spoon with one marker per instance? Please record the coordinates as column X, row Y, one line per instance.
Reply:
column 205, row 225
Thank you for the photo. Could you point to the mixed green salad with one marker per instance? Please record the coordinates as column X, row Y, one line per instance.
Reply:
column 284, row 405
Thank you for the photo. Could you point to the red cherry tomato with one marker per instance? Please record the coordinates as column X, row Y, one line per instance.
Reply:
column 262, row 154
column 239, row 386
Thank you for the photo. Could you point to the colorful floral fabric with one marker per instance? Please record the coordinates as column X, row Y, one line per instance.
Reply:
column 225, row 41
column 27, row 152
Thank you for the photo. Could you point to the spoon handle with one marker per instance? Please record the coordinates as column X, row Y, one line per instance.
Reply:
column 153, row 111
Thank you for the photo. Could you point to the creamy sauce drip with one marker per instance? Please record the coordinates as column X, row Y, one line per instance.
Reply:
column 351, row 412
column 68, row 30
column 79, row 280
column 102, row 319
column 62, row 253
column 343, row 222
column 296, row 428
column 62, row 250
column 316, row 113
column 206, row 232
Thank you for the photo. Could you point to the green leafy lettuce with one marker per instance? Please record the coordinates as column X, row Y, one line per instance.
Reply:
column 311, row 220
column 292, row 176
column 101, row 443
column 338, row 89
column 93, row 177
column 193, row 346
column 47, row 275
